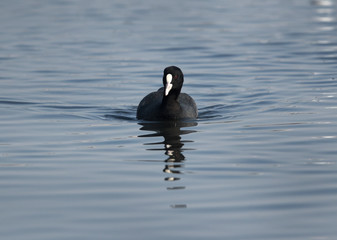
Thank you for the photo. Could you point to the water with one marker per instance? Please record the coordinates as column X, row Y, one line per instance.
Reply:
column 259, row 162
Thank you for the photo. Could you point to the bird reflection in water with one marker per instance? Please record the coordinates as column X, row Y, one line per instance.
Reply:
column 172, row 146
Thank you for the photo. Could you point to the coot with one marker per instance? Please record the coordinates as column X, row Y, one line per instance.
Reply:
column 168, row 103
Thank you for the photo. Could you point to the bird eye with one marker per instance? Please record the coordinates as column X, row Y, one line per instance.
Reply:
column 175, row 76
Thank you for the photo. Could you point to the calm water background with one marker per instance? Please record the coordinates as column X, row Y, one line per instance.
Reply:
column 259, row 163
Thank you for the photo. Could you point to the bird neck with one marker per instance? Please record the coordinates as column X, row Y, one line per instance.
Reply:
column 169, row 99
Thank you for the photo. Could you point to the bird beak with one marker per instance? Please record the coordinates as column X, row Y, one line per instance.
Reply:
column 168, row 85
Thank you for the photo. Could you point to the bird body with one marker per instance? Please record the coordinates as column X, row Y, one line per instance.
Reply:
column 168, row 103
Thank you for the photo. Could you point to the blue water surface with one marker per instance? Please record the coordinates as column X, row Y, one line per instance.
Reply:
column 258, row 163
